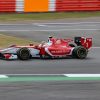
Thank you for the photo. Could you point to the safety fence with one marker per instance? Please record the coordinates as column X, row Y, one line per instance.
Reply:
column 48, row 5
column 77, row 5
column 7, row 5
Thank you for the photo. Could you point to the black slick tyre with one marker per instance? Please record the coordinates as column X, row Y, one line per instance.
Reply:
column 72, row 45
column 80, row 52
column 23, row 54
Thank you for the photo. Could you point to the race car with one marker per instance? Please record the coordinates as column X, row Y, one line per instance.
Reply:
column 53, row 48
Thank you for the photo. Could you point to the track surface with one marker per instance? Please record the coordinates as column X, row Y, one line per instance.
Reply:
column 71, row 90
column 41, row 31
column 63, row 90
column 55, row 66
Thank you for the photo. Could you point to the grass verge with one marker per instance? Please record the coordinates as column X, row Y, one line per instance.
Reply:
column 48, row 16
column 6, row 41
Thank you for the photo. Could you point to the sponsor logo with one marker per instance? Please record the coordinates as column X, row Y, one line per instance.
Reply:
column 61, row 51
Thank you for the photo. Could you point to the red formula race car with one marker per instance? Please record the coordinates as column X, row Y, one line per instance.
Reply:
column 53, row 48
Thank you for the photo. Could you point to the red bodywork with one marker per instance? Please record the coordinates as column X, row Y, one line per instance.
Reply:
column 58, row 47
column 53, row 48
column 61, row 47
column 86, row 42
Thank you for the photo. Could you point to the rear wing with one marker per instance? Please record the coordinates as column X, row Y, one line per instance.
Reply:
column 82, row 41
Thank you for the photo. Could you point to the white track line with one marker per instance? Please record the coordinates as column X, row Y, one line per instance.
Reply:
column 15, row 30
column 68, row 23
column 43, row 25
column 52, row 23
column 67, row 75
column 13, row 24
column 3, row 76
column 50, row 30
column 82, row 75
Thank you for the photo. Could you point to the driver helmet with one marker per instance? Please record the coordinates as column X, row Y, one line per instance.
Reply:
column 49, row 39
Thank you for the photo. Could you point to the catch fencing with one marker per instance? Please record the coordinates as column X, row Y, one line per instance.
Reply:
column 49, row 5
column 77, row 5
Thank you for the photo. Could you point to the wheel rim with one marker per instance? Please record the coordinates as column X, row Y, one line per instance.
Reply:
column 24, row 54
column 82, row 53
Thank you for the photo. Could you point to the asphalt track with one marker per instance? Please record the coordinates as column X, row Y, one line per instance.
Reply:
column 53, row 66
column 53, row 90
column 41, row 30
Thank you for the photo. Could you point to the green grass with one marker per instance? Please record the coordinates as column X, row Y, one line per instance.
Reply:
column 44, row 16
column 10, row 40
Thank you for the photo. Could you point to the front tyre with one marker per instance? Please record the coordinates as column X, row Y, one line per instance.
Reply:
column 80, row 52
column 23, row 54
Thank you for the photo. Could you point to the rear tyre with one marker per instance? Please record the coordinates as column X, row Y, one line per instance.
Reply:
column 23, row 54
column 72, row 45
column 80, row 52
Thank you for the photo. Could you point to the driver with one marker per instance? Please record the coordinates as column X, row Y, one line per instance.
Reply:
column 44, row 43
column 50, row 38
